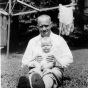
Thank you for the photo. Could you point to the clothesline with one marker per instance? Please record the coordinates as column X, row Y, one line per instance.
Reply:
column 3, row 12
column 35, row 9
column 27, row 5
column 56, row 7
column 40, row 10
column 43, row 9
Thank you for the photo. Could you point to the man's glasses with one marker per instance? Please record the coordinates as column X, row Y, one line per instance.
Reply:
column 44, row 26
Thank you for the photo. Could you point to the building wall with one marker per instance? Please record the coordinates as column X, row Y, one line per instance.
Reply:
column 3, row 30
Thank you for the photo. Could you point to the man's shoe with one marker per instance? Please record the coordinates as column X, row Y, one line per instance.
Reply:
column 23, row 82
column 36, row 81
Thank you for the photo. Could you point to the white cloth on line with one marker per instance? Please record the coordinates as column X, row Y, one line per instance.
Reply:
column 65, row 14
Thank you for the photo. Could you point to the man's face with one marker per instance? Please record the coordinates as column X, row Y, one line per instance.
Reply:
column 44, row 24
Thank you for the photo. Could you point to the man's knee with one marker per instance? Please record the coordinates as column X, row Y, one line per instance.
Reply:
column 48, row 81
column 57, row 72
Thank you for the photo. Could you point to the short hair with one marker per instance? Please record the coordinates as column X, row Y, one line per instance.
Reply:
column 43, row 18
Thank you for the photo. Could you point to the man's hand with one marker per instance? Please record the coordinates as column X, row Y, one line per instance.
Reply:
column 50, row 58
column 39, row 58
column 25, row 69
column 53, row 59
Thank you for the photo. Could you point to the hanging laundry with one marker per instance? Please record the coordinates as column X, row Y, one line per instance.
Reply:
column 66, row 25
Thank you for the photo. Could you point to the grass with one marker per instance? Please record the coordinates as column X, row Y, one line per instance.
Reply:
column 75, row 76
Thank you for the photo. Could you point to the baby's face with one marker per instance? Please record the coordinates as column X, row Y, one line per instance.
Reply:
column 46, row 45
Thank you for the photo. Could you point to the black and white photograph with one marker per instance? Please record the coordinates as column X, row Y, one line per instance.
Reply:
column 44, row 43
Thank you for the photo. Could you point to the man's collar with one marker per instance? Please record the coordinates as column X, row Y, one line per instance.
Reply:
column 51, row 36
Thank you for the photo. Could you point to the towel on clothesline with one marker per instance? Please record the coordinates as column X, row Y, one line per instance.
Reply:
column 66, row 24
column 65, row 14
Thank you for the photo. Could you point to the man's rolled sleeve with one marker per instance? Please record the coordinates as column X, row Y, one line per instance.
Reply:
column 27, row 57
column 66, row 57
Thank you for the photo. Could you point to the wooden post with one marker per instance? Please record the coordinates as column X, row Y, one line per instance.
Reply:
column 9, row 18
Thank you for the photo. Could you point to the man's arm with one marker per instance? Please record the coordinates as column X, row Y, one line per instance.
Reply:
column 28, row 55
column 66, row 56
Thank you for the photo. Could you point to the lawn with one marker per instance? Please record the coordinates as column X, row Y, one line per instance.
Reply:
column 75, row 76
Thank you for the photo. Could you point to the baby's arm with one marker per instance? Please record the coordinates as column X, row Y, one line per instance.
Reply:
column 48, row 65
column 34, row 64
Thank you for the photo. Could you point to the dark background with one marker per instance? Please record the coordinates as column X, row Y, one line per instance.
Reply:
column 24, row 27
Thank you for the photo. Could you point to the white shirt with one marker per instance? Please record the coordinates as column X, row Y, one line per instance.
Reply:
column 63, row 54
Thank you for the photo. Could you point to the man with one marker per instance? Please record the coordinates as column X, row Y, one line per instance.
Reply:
column 63, row 58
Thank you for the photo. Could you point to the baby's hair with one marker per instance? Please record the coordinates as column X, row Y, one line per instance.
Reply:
column 46, row 41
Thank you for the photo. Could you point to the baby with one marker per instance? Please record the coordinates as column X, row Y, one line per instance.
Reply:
column 45, row 50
